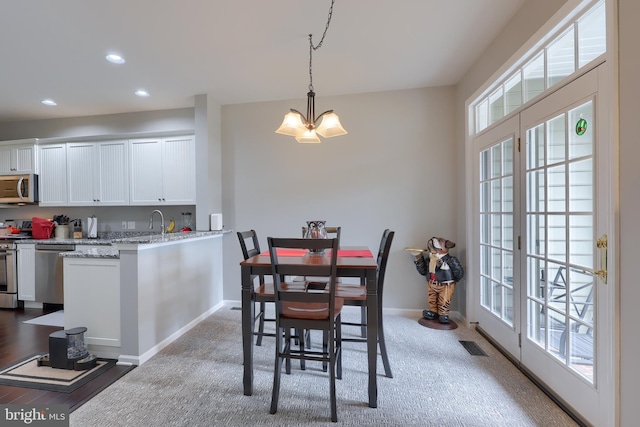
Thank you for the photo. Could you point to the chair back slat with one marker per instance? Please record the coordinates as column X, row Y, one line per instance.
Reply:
column 249, row 252
column 383, row 257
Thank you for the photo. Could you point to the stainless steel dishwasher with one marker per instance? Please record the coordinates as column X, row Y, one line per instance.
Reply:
column 48, row 265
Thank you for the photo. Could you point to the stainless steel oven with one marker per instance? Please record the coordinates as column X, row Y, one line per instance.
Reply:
column 8, row 282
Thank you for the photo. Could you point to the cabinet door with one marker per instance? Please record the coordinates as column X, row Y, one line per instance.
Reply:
column 95, row 303
column 26, row 269
column 112, row 186
column 53, row 175
column 24, row 159
column 178, row 169
column 146, row 171
column 81, row 172
column 5, row 161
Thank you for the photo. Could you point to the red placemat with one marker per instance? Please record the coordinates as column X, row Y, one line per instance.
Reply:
column 355, row 253
column 288, row 252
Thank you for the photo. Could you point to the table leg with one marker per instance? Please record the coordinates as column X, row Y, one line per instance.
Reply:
column 247, row 330
column 372, row 336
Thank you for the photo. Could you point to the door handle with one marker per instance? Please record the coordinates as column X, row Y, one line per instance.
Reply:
column 602, row 244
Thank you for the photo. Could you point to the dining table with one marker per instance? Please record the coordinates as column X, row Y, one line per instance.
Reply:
column 352, row 261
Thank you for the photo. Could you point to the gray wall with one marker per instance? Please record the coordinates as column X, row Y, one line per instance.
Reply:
column 527, row 20
column 629, row 173
column 394, row 169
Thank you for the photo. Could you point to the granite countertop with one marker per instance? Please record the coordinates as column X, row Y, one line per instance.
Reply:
column 168, row 237
column 103, row 246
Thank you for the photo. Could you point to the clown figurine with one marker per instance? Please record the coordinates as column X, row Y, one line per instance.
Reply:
column 442, row 272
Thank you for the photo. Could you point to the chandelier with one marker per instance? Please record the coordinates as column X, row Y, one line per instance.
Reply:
column 306, row 128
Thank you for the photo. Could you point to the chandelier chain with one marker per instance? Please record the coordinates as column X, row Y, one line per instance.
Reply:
column 312, row 47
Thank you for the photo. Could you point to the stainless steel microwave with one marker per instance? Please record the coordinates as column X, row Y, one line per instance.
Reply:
column 19, row 188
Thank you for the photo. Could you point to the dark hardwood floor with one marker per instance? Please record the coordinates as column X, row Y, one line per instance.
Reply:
column 19, row 340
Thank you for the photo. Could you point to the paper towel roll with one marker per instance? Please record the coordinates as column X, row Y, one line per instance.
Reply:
column 92, row 227
column 215, row 222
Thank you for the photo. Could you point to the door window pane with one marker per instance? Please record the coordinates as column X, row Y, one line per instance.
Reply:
column 535, row 147
column 496, row 161
column 581, row 240
column 581, row 136
column 507, row 157
column 536, row 283
column 496, row 304
column 536, row 235
column 508, row 305
column 535, row 191
column 484, row 165
column 496, row 226
column 507, row 231
column 581, row 186
column 556, row 189
column 556, row 334
column 496, row 196
column 485, row 197
column 557, row 137
column 536, row 323
column 485, row 292
column 485, row 261
column 557, row 234
column 581, row 347
column 507, row 194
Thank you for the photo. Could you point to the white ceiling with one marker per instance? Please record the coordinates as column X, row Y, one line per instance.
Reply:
column 237, row 51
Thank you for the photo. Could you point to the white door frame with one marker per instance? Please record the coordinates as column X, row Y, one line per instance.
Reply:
column 606, row 186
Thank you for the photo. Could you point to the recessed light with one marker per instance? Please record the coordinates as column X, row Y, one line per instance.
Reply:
column 115, row 58
column 141, row 92
column 49, row 102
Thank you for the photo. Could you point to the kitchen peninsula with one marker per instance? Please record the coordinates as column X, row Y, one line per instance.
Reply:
column 141, row 293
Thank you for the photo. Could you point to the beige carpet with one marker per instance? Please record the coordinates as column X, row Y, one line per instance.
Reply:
column 197, row 381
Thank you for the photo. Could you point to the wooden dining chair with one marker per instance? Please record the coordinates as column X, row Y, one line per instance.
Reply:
column 306, row 309
column 263, row 292
column 356, row 295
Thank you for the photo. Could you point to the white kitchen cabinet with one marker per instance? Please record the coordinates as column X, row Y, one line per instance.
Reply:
column 26, row 271
column 53, row 175
column 17, row 159
column 98, row 173
column 92, row 300
column 163, row 171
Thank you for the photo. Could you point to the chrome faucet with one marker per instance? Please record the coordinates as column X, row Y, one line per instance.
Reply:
column 161, row 221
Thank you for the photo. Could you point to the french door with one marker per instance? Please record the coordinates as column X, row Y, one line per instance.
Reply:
column 541, row 244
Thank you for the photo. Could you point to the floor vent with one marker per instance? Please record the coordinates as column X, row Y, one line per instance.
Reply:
column 473, row 348
column 236, row 308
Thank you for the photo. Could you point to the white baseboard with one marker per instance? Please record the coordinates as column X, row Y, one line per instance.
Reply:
column 139, row 360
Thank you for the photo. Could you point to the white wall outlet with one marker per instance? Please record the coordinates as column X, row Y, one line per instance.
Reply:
column 124, row 225
column 132, row 225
